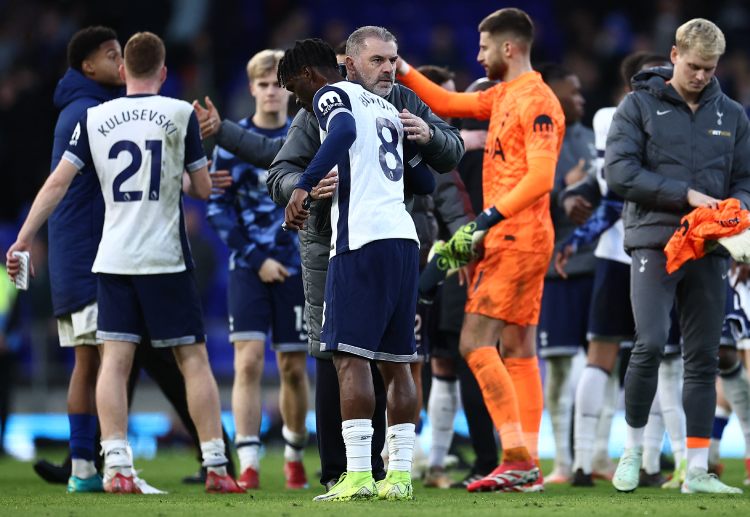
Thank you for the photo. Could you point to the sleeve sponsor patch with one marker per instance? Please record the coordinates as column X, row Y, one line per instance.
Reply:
column 543, row 124
column 328, row 101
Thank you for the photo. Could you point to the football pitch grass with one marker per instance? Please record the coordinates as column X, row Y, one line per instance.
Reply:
column 23, row 493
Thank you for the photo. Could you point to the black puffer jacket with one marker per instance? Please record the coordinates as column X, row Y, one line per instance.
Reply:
column 658, row 148
column 442, row 153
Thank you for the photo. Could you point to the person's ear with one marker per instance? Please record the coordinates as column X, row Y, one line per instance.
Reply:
column 350, row 70
column 88, row 67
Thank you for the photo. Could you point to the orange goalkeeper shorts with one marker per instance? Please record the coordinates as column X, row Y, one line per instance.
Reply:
column 507, row 285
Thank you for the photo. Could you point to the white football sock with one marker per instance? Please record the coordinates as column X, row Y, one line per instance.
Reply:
column 295, row 444
column 400, row 439
column 82, row 469
column 248, row 450
column 670, row 400
column 653, row 437
column 214, row 456
column 633, row 436
column 697, row 458
column 357, row 434
column 604, row 426
column 589, row 401
column 117, row 458
column 559, row 402
column 441, row 410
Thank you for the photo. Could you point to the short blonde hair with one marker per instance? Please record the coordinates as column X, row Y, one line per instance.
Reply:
column 700, row 35
column 264, row 62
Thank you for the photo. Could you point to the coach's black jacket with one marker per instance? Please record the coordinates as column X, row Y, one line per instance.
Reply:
column 442, row 153
column 657, row 149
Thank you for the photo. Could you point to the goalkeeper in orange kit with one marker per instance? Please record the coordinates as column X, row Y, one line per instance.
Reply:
column 524, row 137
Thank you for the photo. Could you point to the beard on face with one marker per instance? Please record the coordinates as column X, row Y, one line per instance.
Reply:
column 496, row 71
column 381, row 89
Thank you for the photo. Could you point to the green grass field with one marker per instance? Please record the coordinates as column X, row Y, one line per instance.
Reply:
column 22, row 493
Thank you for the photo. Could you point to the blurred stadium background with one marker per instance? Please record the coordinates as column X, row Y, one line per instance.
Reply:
column 208, row 45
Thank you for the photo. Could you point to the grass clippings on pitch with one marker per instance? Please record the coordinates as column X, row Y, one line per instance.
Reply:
column 23, row 493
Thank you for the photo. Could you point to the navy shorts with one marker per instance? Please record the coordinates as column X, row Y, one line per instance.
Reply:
column 166, row 307
column 611, row 315
column 255, row 307
column 422, row 322
column 736, row 326
column 564, row 316
column 371, row 301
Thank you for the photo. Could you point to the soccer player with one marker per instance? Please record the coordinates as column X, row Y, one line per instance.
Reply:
column 566, row 301
column 94, row 57
column 524, row 138
column 371, row 287
column 75, row 228
column 370, row 61
column 677, row 142
column 139, row 146
column 733, row 382
column 265, row 285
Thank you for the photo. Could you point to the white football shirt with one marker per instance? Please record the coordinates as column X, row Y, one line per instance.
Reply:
column 611, row 243
column 368, row 204
column 140, row 145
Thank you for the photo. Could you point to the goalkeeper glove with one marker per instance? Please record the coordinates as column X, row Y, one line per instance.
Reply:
column 440, row 264
column 463, row 246
column 446, row 258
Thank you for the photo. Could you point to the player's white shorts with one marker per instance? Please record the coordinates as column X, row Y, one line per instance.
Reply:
column 78, row 328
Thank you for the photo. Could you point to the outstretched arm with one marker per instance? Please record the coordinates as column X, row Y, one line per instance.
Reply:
column 250, row 147
column 441, row 101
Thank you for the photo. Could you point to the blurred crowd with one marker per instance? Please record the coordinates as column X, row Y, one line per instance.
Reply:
column 209, row 43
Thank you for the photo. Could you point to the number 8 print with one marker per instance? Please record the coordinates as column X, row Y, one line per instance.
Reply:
column 389, row 148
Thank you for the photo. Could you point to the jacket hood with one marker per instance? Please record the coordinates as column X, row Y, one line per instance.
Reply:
column 74, row 85
column 654, row 80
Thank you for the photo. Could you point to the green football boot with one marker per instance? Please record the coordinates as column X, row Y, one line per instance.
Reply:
column 396, row 486
column 678, row 477
column 352, row 486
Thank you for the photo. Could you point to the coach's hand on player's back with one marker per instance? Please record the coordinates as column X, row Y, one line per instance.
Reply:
column 326, row 187
column 698, row 199
column 272, row 271
column 295, row 212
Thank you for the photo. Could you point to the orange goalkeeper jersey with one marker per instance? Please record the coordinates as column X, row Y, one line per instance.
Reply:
column 524, row 137
column 704, row 224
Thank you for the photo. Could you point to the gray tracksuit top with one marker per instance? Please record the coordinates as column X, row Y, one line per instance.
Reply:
column 657, row 149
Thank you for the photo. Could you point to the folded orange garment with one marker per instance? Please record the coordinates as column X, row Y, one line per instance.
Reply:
column 701, row 225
